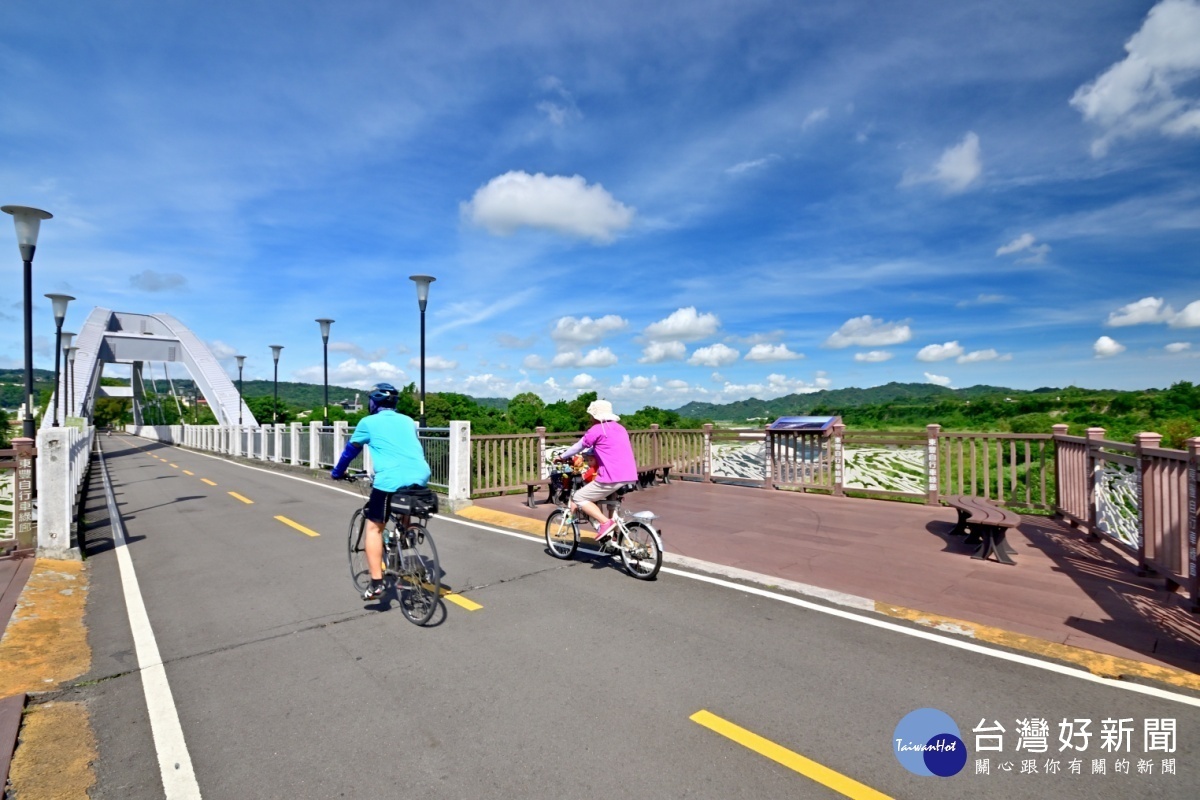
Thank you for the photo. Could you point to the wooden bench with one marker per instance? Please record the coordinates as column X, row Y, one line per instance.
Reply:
column 987, row 523
column 648, row 474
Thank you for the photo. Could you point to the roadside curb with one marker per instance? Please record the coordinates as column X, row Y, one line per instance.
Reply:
column 1099, row 664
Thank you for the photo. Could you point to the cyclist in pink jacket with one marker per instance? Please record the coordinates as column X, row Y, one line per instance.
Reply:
column 609, row 441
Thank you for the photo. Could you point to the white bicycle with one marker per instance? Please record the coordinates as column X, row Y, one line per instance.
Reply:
column 634, row 537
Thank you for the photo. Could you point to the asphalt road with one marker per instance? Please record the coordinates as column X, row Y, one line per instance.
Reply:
column 572, row 680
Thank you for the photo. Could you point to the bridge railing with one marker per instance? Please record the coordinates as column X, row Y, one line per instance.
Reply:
column 63, row 460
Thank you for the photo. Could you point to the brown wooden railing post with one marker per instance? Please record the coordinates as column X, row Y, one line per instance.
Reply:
column 706, row 454
column 1193, row 559
column 838, row 444
column 23, row 487
column 1141, row 442
column 1092, row 462
column 1056, row 431
column 932, row 463
column 543, row 468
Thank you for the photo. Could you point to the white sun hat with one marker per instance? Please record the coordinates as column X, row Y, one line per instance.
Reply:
column 602, row 411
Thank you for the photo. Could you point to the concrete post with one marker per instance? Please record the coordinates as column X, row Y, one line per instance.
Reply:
column 314, row 444
column 1193, row 559
column 339, row 438
column 838, row 432
column 1147, row 503
column 543, row 467
column 56, row 494
column 1094, row 472
column 459, row 479
column 295, row 448
column 706, row 454
column 933, row 463
column 277, row 431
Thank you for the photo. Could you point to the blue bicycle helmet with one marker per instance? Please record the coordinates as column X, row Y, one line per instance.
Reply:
column 383, row 395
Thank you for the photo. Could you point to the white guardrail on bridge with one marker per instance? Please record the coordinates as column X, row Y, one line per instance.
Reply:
column 62, row 465
column 317, row 446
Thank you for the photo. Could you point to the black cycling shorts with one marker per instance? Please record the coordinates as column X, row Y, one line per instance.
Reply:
column 379, row 505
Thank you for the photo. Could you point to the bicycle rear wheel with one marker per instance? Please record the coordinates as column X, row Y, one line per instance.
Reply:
column 562, row 534
column 641, row 550
column 356, row 545
column 419, row 579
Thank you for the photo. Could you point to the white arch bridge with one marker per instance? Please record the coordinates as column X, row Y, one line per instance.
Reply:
column 119, row 337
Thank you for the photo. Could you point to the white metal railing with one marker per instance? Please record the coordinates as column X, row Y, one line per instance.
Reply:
column 319, row 446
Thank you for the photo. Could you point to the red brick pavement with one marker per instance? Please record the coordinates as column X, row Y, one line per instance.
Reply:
column 1065, row 588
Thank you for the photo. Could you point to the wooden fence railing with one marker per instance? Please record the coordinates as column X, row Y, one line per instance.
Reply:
column 1140, row 496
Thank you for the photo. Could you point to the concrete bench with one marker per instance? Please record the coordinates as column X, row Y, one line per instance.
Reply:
column 531, row 488
column 648, row 474
column 987, row 524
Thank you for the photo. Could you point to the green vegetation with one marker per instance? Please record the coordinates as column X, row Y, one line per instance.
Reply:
column 1173, row 412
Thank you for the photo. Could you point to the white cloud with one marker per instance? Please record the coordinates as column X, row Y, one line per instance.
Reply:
column 151, row 281
column 1148, row 310
column 562, row 109
column 357, row 351
column 683, row 325
column 866, row 331
column 958, row 168
column 555, row 203
column 769, row 352
column 1025, row 243
column 940, row 380
column 534, row 362
column 1105, row 347
column 585, row 330
column 436, row 363
column 717, row 355
column 220, row 350
column 656, row 352
column 775, row 385
column 597, row 358
column 979, row 356
column 748, row 166
column 939, row 352
column 1178, row 347
column 873, row 357
column 1155, row 310
column 1189, row 317
column 352, row 373
column 1143, row 91
column 584, row 382
column 814, row 117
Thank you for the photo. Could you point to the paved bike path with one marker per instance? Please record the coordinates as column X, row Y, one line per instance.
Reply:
column 572, row 680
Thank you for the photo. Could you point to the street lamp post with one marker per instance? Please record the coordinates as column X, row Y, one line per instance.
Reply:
column 241, row 360
column 28, row 221
column 64, row 345
column 59, row 302
column 325, row 323
column 422, row 282
column 71, row 371
column 275, row 348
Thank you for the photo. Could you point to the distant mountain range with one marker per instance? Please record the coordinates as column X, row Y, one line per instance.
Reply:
column 835, row 399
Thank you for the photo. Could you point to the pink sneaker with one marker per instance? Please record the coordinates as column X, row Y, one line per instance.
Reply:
column 605, row 529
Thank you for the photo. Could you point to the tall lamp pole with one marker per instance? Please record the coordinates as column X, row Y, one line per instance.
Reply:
column 275, row 348
column 325, row 323
column 59, row 302
column 28, row 221
column 422, row 282
column 71, row 370
column 65, row 345
column 241, row 360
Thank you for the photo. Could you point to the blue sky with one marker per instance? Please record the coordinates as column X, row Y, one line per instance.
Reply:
column 700, row 200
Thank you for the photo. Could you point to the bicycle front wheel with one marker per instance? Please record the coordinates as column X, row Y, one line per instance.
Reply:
column 419, row 582
column 356, row 540
column 562, row 534
column 641, row 550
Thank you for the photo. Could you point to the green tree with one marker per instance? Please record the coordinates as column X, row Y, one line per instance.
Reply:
column 262, row 408
column 525, row 411
column 112, row 411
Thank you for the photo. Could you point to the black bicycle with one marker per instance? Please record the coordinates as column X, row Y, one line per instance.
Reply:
column 410, row 559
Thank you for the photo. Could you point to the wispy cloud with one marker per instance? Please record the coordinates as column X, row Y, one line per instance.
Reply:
column 958, row 168
column 151, row 281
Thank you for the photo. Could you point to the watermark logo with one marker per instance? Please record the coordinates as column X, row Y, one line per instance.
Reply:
column 928, row 742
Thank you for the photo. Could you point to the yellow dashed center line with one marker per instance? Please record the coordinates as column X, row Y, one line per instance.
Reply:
column 459, row 600
column 298, row 526
column 245, row 500
column 210, row 483
column 188, row 472
column 794, row 761
column 176, row 466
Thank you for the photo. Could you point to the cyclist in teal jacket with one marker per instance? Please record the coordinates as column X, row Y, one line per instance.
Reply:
column 399, row 463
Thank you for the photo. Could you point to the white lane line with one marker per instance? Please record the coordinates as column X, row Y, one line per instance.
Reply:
column 930, row 636
column 174, row 761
